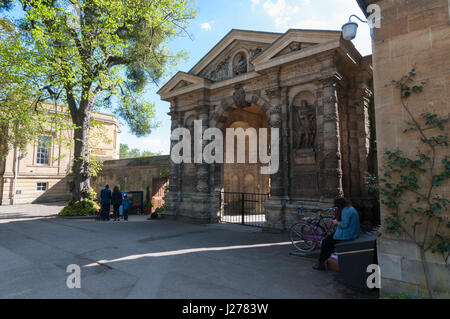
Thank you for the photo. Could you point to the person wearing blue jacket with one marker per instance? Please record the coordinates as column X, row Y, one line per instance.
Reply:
column 347, row 222
column 126, row 204
column 105, row 200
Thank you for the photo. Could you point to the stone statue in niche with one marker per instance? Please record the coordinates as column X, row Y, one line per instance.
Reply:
column 240, row 64
column 306, row 123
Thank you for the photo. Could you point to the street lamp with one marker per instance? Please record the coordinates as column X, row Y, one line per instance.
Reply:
column 350, row 29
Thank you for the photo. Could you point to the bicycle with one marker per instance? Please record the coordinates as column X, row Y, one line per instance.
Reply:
column 307, row 234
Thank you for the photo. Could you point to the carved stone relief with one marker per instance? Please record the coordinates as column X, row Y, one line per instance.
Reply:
column 221, row 71
column 239, row 97
column 254, row 52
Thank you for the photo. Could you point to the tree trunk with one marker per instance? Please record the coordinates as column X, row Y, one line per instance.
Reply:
column 81, row 164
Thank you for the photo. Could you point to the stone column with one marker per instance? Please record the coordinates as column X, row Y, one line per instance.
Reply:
column 174, row 168
column 175, row 173
column 202, row 200
column 331, row 171
column 203, row 168
column 275, row 121
column 275, row 206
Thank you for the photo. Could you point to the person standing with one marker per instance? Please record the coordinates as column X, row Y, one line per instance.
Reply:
column 126, row 206
column 116, row 201
column 105, row 199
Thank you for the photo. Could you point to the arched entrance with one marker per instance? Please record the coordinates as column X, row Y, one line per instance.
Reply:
column 244, row 187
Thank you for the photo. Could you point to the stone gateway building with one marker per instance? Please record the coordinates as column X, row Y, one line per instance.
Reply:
column 313, row 86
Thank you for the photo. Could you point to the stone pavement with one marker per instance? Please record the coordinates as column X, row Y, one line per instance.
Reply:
column 30, row 211
column 151, row 259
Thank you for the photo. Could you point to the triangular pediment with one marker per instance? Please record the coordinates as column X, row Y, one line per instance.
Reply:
column 217, row 62
column 182, row 82
column 295, row 41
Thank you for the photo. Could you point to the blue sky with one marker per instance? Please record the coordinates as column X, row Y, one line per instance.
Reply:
column 217, row 17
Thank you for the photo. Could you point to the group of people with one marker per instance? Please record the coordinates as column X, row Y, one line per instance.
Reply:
column 114, row 198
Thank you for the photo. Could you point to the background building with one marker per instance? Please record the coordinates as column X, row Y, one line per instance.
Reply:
column 43, row 169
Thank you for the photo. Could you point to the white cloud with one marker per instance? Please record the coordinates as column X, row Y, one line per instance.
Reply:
column 281, row 12
column 306, row 3
column 255, row 2
column 206, row 26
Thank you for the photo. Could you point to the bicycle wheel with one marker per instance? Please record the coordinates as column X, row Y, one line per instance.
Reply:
column 302, row 237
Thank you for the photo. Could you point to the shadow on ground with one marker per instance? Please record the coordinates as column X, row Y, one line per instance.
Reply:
column 155, row 259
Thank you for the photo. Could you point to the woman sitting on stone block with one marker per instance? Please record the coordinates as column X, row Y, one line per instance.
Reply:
column 347, row 222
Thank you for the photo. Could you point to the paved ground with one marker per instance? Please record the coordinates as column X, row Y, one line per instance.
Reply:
column 150, row 259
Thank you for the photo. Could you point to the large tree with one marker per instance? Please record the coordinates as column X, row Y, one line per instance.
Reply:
column 22, row 116
column 102, row 53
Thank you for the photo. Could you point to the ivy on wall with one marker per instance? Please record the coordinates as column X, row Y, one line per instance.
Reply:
column 419, row 176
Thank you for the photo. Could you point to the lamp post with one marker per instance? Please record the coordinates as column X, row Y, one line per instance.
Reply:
column 350, row 29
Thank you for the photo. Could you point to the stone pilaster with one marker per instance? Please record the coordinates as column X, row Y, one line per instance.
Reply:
column 331, row 171
column 275, row 217
column 275, row 121
column 203, row 168
column 175, row 173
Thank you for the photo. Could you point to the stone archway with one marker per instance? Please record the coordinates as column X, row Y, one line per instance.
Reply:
column 245, row 118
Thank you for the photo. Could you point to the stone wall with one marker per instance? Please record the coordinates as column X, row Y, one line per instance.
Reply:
column 413, row 33
column 134, row 174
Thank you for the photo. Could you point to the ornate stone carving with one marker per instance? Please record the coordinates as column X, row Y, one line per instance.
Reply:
column 240, row 64
column 295, row 46
column 239, row 97
column 220, row 72
column 305, row 121
column 254, row 52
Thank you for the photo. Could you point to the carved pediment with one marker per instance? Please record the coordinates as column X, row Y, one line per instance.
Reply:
column 294, row 43
column 294, row 46
column 232, row 56
column 234, row 61
column 181, row 84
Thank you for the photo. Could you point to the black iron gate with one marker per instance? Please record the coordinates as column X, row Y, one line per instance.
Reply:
column 243, row 208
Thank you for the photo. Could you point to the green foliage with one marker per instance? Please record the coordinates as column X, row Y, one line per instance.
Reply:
column 148, row 203
column 95, row 166
column 22, row 115
column 92, row 195
column 420, row 176
column 105, row 51
column 93, row 55
column 86, row 207
column 126, row 152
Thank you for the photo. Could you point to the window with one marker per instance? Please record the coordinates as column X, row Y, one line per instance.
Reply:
column 43, row 150
column 41, row 187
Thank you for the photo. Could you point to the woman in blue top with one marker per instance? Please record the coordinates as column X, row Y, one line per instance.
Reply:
column 347, row 229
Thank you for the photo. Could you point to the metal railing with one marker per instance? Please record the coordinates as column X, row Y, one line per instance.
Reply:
column 243, row 208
